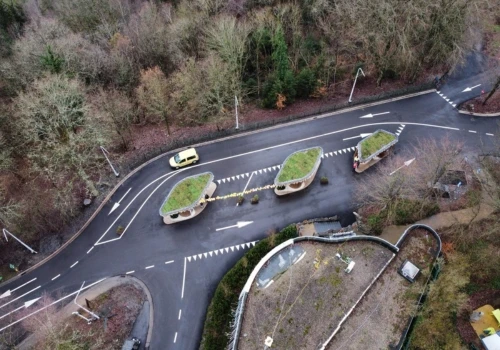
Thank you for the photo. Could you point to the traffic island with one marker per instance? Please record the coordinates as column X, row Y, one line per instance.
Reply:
column 188, row 198
column 372, row 149
column 298, row 171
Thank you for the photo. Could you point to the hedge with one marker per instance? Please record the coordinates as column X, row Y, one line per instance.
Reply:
column 219, row 312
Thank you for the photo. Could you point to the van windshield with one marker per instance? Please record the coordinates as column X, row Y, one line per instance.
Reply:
column 177, row 158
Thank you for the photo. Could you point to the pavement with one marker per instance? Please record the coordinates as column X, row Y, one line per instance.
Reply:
column 181, row 264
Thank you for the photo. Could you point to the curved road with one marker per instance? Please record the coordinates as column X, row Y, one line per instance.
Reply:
column 182, row 263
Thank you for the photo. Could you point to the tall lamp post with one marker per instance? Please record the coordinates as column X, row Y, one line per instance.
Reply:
column 105, row 152
column 236, row 110
column 5, row 233
column 353, row 85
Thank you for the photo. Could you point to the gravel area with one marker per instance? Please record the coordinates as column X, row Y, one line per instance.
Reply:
column 380, row 319
column 305, row 304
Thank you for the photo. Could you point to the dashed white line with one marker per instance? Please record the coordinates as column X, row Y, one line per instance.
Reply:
column 90, row 249
column 168, row 262
column 56, row 277
column 183, row 280
column 175, row 337
column 472, row 131
column 180, row 313
column 128, row 273
column 73, row 265
column 490, row 134
column 149, row 267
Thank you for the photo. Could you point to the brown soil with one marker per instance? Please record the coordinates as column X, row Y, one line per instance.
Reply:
column 476, row 105
column 120, row 307
column 381, row 317
column 305, row 304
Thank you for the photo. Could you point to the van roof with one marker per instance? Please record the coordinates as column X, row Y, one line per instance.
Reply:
column 187, row 153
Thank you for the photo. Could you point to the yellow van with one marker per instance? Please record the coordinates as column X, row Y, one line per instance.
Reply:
column 184, row 158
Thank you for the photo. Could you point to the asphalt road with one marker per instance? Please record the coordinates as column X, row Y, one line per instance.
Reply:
column 182, row 263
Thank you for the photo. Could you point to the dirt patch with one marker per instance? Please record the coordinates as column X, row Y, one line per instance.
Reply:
column 117, row 308
column 305, row 304
column 383, row 314
column 476, row 104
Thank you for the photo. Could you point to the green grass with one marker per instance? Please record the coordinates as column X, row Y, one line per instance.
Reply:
column 299, row 165
column 375, row 142
column 185, row 193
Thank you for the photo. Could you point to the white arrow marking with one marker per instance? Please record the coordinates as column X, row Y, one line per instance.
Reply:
column 26, row 305
column 407, row 163
column 117, row 204
column 373, row 115
column 9, row 292
column 355, row 137
column 47, row 306
column 240, row 224
column 20, row 296
column 470, row 88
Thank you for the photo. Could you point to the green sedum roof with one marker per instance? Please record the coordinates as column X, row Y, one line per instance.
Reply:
column 186, row 193
column 299, row 165
column 376, row 142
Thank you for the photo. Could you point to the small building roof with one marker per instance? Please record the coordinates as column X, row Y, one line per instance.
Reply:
column 409, row 271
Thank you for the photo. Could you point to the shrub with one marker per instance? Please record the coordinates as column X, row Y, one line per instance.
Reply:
column 255, row 199
column 241, row 199
column 305, row 83
column 375, row 222
column 219, row 312
column 324, row 180
column 119, row 230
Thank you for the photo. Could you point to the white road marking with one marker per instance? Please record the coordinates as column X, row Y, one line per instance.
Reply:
column 128, row 273
column 175, row 337
column 117, row 204
column 490, row 134
column 24, row 306
column 88, row 251
column 248, row 153
column 9, row 292
column 253, row 172
column 45, row 307
column 138, row 210
column 168, row 262
column 56, row 277
column 454, row 105
column 239, row 224
column 183, row 280
column 73, row 265
column 373, row 115
column 149, row 267
column 180, row 313
column 31, row 291
column 472, row 131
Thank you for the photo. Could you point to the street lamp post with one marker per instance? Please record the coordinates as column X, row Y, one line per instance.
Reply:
column 5, row 233
column 105, row 152
column 353, row 85
column 236, row 110
column 81, row 307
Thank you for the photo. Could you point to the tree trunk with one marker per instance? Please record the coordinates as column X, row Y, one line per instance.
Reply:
column 165, row 117
column 495, row 87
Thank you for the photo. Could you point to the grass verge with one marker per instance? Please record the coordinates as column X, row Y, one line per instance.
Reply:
column 299, row 165
column 375, row 142
column 185, row 193
column 225, row 299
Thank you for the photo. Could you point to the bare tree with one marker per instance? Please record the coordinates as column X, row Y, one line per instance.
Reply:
column 152, row 94
column 493, row 90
